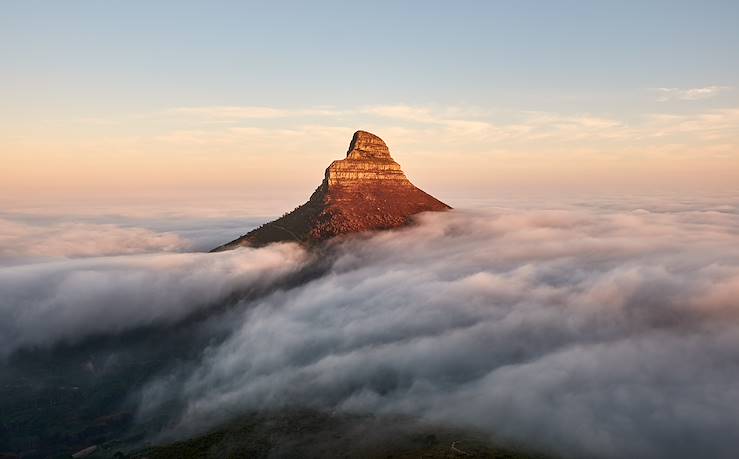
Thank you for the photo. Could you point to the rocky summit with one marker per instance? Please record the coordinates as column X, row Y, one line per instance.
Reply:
column 365, row 191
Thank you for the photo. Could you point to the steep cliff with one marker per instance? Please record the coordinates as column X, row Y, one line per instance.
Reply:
column 367, row 190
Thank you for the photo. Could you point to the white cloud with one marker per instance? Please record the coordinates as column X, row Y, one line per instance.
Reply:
column 466, row 125
column 82, row 240
column 592, row 333
column 230, row 113
column 294, row 138
column 67, row 301
column 708, row 92
column 705, row 127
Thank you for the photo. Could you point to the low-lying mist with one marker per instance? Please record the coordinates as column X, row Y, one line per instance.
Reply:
column 589, row 332
column 66, row 301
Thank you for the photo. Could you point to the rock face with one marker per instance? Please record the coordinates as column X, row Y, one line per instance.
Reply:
column 367, row 190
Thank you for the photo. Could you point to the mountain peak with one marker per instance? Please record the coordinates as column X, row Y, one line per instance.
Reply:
column 367, row 160
column 365, row 191
column 365, row 145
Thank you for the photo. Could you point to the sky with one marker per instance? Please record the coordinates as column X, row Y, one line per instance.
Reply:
column 105, row 101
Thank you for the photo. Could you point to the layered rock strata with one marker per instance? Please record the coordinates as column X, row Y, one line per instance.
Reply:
column 365, row 191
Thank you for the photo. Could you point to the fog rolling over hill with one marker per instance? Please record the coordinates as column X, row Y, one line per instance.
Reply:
column 599, row 328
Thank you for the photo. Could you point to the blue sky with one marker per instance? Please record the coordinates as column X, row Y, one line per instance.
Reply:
column 84, row 79
column 526, row 53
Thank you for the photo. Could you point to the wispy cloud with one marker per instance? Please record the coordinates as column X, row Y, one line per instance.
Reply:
column 222, row 145
column 458, row 125
column 708, row 92
column 235, row 112
column 707, row 126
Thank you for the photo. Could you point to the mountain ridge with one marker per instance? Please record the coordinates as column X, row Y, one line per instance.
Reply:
column 365, row 191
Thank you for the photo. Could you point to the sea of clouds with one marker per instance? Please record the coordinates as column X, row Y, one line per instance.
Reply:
column 593, row 330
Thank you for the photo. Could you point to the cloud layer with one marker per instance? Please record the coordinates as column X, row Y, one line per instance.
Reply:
column 606, row 329
column 66, row 239
column 67, row 301
column 590, row 333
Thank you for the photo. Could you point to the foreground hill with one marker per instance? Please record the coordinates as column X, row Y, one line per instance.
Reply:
column 310, row 434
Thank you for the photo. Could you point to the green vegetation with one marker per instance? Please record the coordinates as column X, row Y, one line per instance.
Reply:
column 311, row 434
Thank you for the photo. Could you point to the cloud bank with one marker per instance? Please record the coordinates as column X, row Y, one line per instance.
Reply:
column 587, row 332
column 18, row 239
column 606, row 329
column 66, row 301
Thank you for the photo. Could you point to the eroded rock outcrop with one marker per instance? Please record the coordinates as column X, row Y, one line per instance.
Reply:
column 367, row 190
